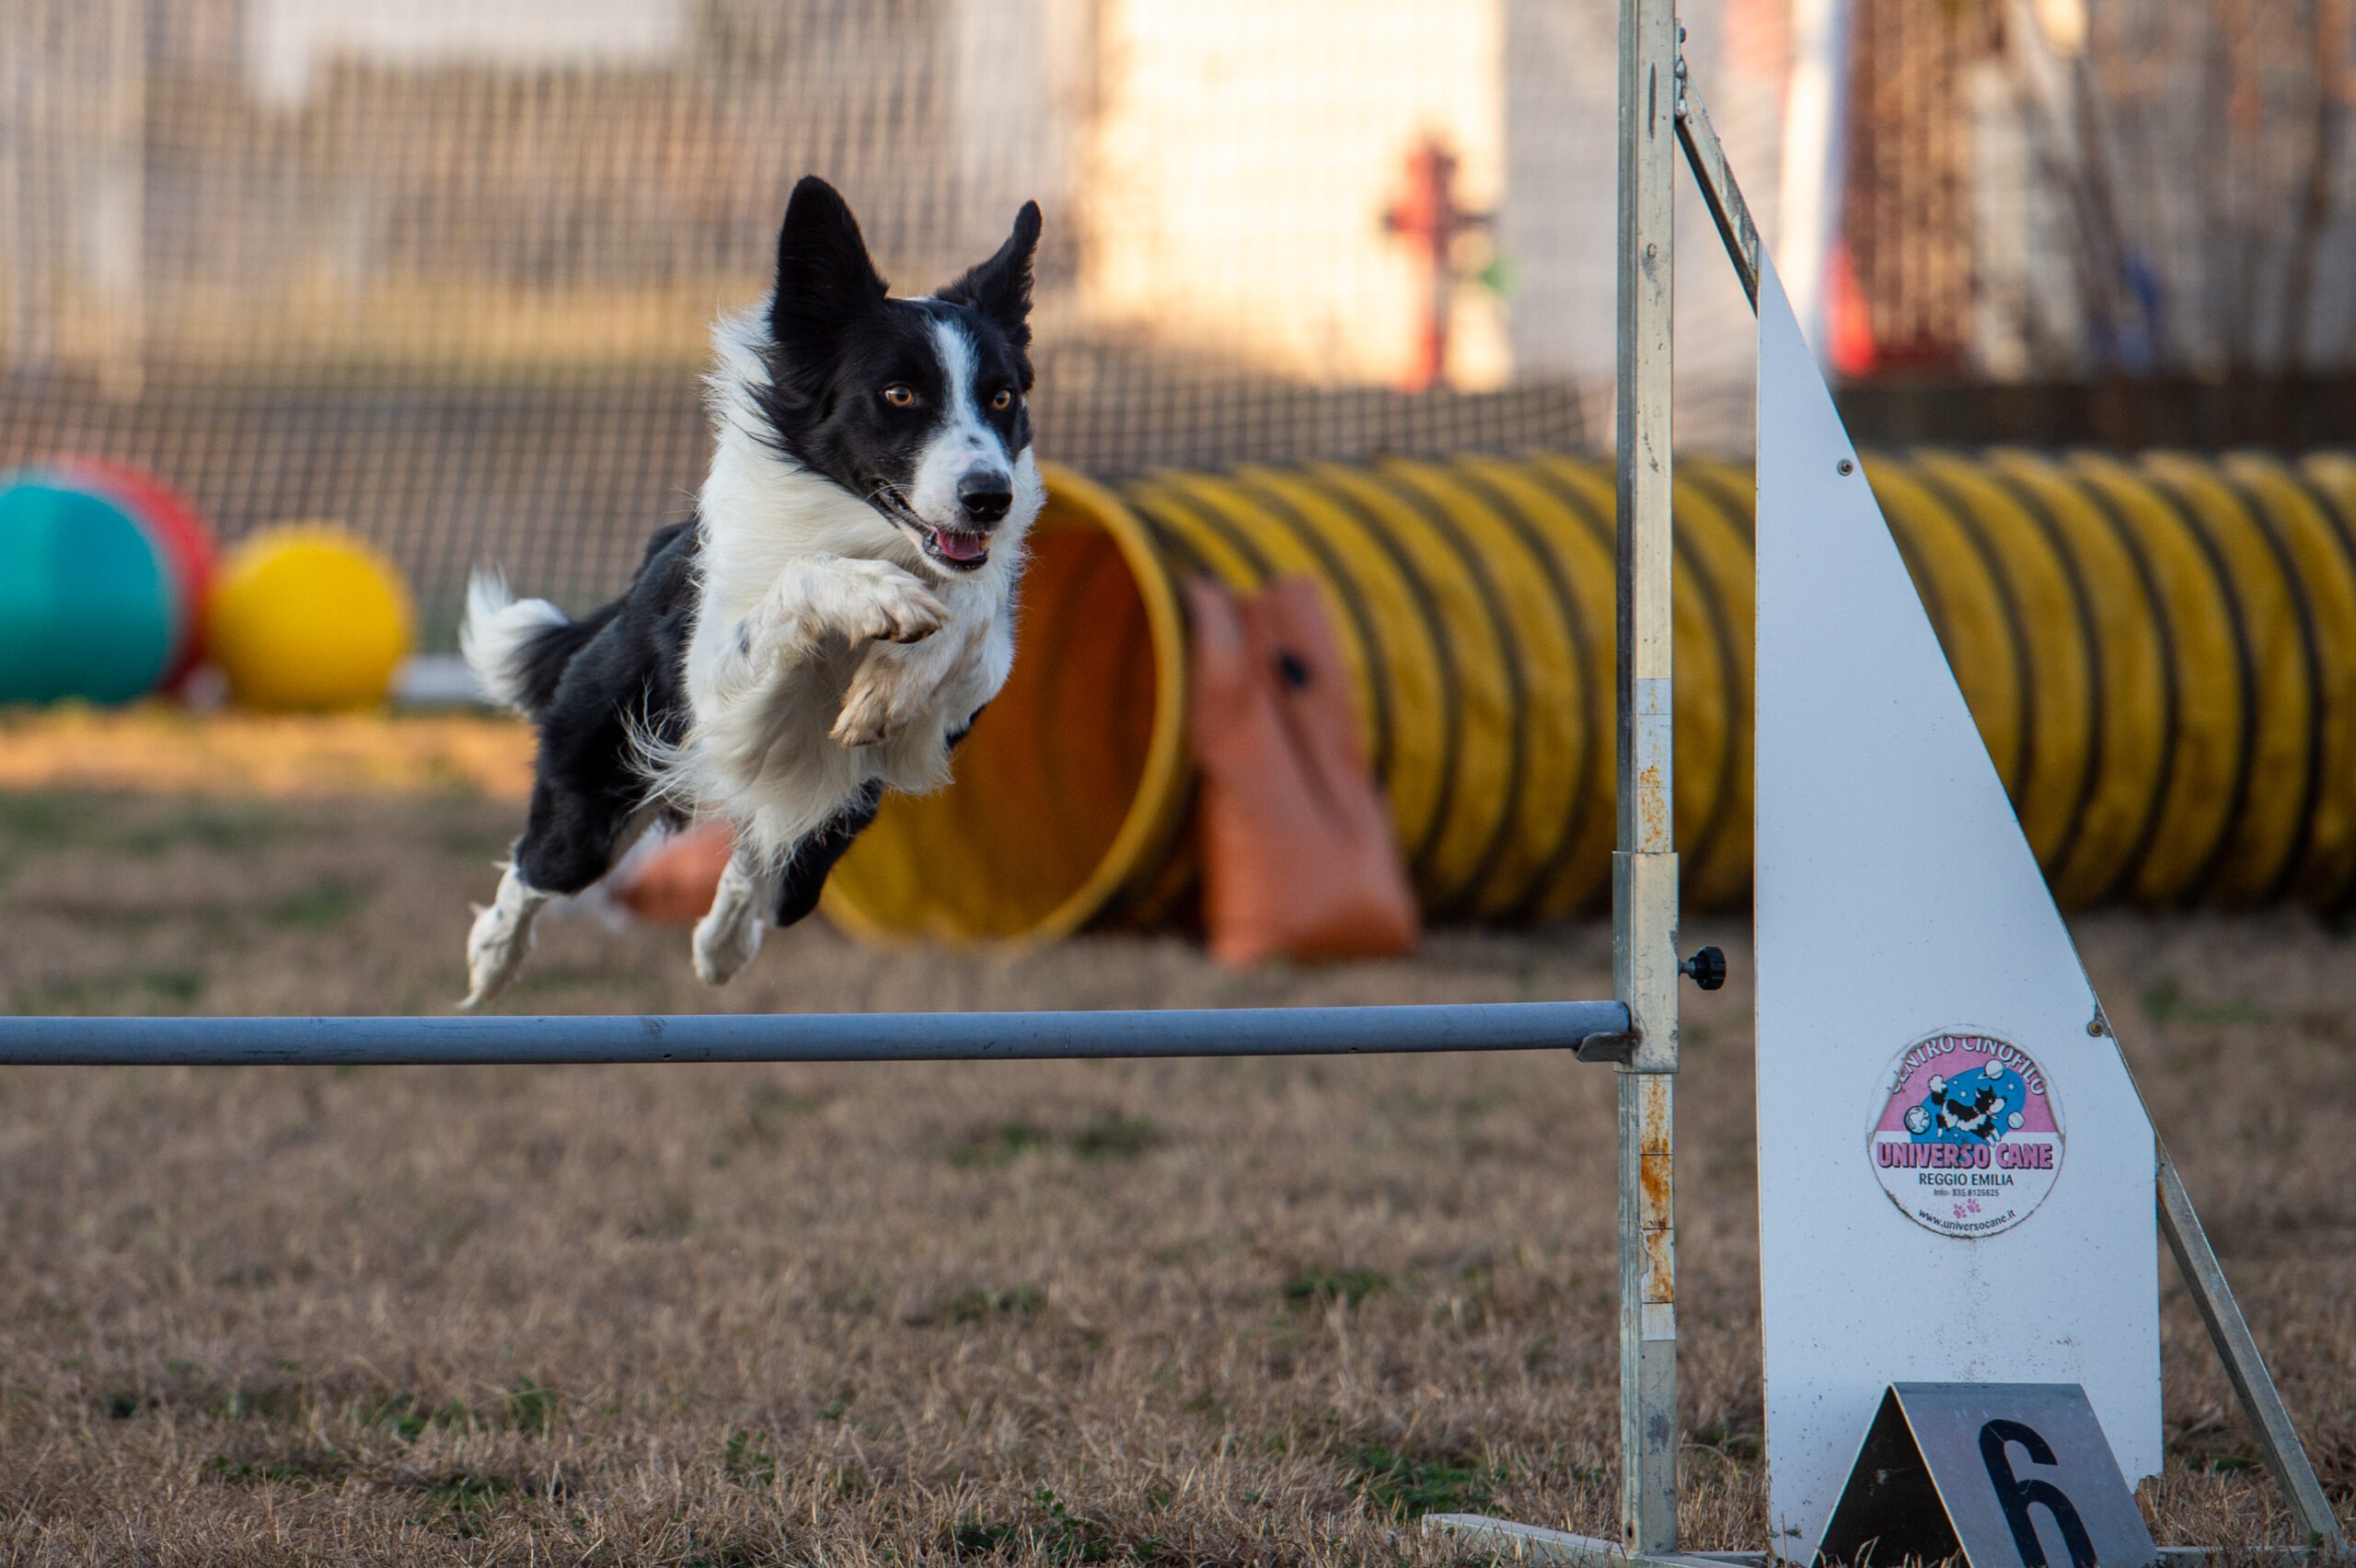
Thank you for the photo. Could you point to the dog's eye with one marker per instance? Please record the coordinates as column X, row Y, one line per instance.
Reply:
column 1001, row 401
column 899, row 397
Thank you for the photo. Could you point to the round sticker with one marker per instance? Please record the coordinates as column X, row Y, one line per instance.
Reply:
column 1968, row 1142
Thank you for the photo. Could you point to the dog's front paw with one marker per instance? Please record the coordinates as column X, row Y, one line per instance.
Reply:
column 869, row 716
column 891, row 692
column 889, row 605
column 860, row 723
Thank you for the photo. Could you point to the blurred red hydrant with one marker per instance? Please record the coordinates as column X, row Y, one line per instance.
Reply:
column 1427, row 215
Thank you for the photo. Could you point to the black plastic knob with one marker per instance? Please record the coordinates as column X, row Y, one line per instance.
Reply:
column 1707, row 968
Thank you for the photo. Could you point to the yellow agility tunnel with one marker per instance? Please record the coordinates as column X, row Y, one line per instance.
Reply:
column 2160, row 653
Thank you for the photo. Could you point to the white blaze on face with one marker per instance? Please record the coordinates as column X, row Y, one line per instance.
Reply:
column 960, row 442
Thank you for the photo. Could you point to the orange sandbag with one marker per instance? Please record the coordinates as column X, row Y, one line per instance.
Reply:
column 1299, row 858
column 671, row 881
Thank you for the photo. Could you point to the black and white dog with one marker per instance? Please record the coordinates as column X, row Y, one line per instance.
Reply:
column 824, row 629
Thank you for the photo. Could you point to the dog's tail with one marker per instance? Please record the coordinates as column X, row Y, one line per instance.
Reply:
column 517, row 648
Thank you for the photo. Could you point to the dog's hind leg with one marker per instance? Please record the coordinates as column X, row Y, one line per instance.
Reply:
column 501, row 937
column 570, row 840
column 730, row 932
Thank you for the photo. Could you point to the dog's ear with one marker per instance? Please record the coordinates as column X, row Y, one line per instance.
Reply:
column 824, row 277
column 1000, row 288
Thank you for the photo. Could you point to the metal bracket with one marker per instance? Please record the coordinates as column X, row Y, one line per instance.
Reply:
column 1719, row 192
column 1619, row 1046
column 1534, row 1543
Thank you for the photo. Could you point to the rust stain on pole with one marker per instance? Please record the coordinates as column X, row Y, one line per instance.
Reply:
column 1660, row 1267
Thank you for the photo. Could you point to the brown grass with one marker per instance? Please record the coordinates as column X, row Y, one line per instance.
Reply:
column 1034, row 1313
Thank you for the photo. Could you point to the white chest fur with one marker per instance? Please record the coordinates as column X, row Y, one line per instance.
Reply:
column 827, row 655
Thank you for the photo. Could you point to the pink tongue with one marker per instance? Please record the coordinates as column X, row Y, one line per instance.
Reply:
column 961, row 547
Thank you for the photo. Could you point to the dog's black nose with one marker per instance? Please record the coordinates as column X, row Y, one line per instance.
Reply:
column 986, row 493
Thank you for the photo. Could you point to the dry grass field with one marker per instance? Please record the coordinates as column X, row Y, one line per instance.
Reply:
column 1078, row 1313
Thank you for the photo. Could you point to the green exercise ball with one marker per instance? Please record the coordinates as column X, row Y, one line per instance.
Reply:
column 89, row 607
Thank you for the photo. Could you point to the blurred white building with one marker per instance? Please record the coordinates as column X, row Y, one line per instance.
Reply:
column 287, row 43
column 459, row 182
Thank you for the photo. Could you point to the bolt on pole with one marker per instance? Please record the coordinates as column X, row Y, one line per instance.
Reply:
column 1643, row 883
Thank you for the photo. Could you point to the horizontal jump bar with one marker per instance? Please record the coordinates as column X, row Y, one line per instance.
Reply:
column 805, row 1037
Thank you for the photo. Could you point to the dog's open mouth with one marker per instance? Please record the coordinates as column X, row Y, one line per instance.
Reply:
column 956, row 547
column 959, row 549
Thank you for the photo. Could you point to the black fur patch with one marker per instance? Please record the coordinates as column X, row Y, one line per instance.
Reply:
column 626, row 673
column 538, row 665
column 805, row 875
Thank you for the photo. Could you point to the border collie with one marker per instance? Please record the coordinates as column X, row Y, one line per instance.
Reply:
column 825, row 627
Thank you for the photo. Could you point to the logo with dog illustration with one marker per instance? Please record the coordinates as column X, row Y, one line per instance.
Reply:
column 1968, row 1140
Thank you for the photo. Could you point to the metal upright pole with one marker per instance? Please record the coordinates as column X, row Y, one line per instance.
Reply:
column 1644, row 879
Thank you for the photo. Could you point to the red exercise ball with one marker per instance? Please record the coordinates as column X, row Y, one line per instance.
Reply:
column 177, row 525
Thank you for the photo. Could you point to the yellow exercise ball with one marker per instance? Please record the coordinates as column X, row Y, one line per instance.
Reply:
column 308, row 618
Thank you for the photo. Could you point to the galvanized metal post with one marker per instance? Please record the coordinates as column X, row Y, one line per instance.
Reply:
column 1644, row 880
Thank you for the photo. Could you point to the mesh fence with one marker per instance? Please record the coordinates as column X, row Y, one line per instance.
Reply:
column 445, row 271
